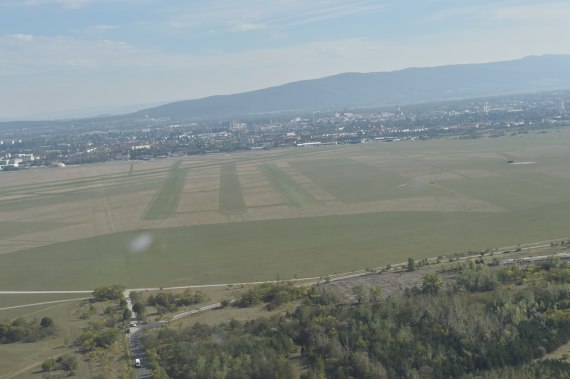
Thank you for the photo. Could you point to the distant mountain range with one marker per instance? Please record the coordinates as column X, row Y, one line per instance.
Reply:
column 360, row 90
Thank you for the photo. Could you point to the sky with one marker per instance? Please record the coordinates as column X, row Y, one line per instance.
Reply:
column 69, row 58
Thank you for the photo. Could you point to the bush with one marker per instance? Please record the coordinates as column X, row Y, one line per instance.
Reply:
column 20, row 330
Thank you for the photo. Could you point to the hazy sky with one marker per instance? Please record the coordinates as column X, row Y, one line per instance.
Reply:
column 72, row 55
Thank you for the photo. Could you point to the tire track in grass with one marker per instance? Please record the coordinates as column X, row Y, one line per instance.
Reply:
column 165, row 201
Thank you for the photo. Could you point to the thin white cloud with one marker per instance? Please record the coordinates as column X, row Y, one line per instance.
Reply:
column 452, row 12
column 259, row 15
column 103, row 28
column 543, row 12
column 33, row 55
column 72, row 4
column 246, row 27
column 509, row 11
column 22, row 37
column 325, row 13
column 68, row 4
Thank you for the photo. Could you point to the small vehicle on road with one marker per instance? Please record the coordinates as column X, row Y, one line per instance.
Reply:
column 133, row 323
column 137, row 362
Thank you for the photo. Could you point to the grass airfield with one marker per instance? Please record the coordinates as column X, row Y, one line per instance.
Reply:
column 277, row 214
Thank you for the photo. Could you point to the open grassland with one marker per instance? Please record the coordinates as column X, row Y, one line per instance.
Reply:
column 19, row 300
column 22, row 360
column 258, row 215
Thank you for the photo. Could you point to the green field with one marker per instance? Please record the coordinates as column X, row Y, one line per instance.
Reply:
column 166, row 200
column 283, row 213
column 292, row 192
column 266, row 250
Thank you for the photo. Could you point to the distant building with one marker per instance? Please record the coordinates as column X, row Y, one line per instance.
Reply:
column 309, row 144
column 140, row 147
column 122, row 156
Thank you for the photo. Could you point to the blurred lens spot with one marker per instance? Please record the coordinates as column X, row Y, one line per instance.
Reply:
column 140, row 243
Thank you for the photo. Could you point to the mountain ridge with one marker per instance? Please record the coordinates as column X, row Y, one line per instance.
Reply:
column 353, row 90
column 359, row 90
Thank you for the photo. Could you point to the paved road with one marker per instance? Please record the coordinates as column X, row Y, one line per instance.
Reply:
column 137, row 351
column 137, row 348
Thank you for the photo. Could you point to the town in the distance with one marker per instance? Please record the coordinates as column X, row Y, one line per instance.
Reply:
column 67, row 142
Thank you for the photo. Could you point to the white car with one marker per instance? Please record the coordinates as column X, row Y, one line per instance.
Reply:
column 137, row 362
column 133, row 323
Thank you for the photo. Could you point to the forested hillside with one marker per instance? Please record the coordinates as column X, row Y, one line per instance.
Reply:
column 486, row 323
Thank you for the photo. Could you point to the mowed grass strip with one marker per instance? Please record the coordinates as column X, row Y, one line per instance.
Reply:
column 291, row 191
column 165, row 202
column 231, row 198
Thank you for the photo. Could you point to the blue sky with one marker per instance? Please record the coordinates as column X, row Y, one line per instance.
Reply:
column 82, row 57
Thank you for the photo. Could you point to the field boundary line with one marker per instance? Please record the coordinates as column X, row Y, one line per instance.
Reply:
column 43, row 303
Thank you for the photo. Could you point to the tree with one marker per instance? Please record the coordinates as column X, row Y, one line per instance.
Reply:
column 46, row 323
column 375, row 294
column 136, row 297
column 127, row 314
column 411, row 264
column 138, row 308
column 114, row 292
column 432, row 283
column 359, row 294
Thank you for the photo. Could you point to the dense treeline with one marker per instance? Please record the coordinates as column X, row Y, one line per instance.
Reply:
column 273, row 294
column 20, row 330
column 482, row 325
column 169, row 302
